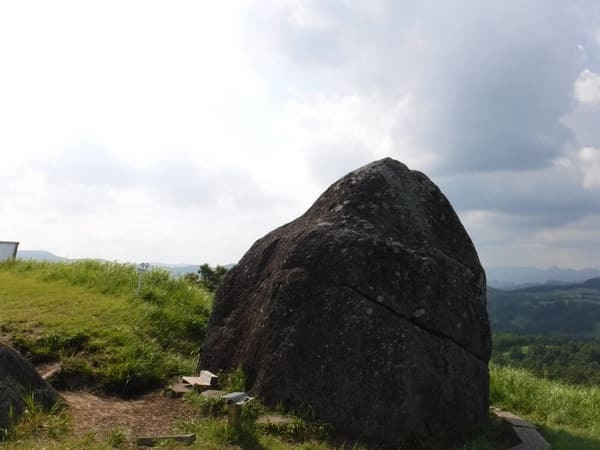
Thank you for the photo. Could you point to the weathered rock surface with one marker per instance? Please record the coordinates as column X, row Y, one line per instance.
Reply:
column 19, row 380
column 369, row 309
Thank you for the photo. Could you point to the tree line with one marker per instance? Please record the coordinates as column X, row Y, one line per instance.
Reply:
column 207, row 277
column 575, row 361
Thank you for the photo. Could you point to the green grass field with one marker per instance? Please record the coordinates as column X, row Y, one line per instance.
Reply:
column 87, row 316
column 569, row 416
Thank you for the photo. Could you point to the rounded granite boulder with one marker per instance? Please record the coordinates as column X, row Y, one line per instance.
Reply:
column 369, row 310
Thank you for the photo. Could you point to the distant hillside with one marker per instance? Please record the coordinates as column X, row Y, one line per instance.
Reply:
column 39, row 255
column 177, row 270
column 572, row 310
column 592, row 283
column 514, row 277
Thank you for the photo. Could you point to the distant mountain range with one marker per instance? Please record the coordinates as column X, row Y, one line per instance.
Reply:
column 42, row 255
column 499, row 277
column 515, row 277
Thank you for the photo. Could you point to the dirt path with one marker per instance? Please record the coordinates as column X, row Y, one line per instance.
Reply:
column 151, row 414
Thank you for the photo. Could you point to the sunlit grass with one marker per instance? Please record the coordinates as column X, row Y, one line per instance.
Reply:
column 87, row 315
column 568, row 415
column 57, row 305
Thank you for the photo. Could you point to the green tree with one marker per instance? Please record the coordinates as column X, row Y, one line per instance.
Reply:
column 192, row 277
column 210, row 277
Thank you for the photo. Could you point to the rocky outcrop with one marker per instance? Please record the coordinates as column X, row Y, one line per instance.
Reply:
column 18, row 381
column 368, row 310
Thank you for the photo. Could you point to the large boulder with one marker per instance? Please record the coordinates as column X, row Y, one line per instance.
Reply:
column 369, row 310
column 19, row 381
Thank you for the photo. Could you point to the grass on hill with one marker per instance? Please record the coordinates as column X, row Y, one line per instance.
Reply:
column 568, row 415
column 86, row 314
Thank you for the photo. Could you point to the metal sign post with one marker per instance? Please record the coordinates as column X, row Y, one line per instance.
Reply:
column 141, row 268
column 234, row 402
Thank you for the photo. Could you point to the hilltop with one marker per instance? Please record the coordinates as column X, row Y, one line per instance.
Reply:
column 114, row 344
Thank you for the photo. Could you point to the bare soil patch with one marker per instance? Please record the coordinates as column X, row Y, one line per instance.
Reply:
column 151, row 414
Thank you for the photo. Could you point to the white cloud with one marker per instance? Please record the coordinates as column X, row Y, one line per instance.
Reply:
column 140, row 77
column 589, row 163
column 587, row 87
column 338, row 134
column 186, row 131
column 507, row 239
column 478, row 76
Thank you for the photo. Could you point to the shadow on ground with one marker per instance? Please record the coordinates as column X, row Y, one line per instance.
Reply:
column 564, row 440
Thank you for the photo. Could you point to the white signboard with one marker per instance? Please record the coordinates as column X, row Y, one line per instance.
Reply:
column 8, row 250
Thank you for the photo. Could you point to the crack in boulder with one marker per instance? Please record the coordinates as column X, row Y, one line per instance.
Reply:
column 409, row 319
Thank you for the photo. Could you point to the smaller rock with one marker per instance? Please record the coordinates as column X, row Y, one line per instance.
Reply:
column 212, row 393
column 18, row 381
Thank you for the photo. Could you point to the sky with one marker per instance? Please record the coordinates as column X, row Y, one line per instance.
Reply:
column 182, row 131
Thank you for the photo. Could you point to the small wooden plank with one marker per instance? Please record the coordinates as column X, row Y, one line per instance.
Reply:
column 192, row 381
column 514, row 420
column 52, row 372
column 206, row 378
column 530, row 439
column 151, row 441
